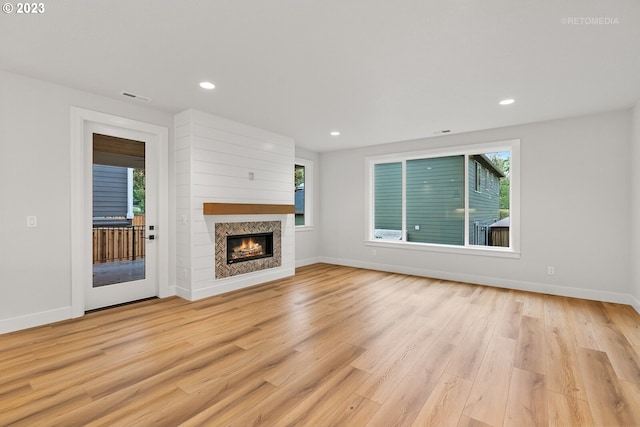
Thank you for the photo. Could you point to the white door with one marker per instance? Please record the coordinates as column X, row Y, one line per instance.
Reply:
column 123, row 242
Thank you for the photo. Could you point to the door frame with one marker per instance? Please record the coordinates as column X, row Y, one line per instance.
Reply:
column 147, row 286
column 81, row 207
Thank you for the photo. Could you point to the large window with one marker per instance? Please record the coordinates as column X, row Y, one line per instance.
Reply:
column 463, row 197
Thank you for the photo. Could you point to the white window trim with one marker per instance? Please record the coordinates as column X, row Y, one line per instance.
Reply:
column 308, row 194
column 514, row 230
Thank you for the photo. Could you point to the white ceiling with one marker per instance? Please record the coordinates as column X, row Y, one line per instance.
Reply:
column 378, row 71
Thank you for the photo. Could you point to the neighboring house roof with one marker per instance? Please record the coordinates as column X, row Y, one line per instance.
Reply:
column 388, row 234
column 506, row 222
column 484, row 160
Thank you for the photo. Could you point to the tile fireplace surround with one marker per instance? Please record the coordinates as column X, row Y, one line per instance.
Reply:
column 224, row 229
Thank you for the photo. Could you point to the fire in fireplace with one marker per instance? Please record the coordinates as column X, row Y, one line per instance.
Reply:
column 245, row 247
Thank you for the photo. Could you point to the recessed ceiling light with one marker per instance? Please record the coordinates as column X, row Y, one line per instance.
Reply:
column 207, row 85
column 335, row 133
column 507, row 101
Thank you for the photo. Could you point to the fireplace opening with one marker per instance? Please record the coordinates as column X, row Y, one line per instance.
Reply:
column 245, row 247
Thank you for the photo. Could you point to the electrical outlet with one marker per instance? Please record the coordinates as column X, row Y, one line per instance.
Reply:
column 551, row 270
column 417, row 228
column 32, row 221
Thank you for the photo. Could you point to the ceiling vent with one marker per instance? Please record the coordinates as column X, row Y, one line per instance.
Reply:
column 138, row 97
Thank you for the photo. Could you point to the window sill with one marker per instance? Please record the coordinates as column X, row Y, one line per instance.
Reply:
column 469, row 250
column 304, row 227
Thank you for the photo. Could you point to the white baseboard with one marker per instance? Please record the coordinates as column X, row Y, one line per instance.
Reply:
column 169, row 291
column 308, row 261
column 239, row 282
column 542, row 288
column 35, row 319
column 635, row 303
column 183, row 293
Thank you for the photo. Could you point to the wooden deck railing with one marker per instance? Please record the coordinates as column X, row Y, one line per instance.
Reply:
column 138, row 220
column 118, row 244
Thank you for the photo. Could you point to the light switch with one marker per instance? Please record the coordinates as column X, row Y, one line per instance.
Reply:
column 32, row 221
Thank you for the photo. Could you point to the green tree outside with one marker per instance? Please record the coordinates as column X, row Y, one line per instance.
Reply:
column 138, row 191
column 502, row 161
column 299, row 175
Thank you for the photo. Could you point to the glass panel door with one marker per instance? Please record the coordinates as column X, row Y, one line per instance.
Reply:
column 118, row 210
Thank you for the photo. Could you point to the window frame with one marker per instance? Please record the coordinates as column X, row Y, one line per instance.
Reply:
column 308, row 193
column 513, row 146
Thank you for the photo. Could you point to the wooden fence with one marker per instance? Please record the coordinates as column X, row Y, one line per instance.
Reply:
column 138, row 219
column 118, row 243
column 500, row 236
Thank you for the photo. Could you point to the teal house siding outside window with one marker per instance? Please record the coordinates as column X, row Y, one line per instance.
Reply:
column 484, row 198
column 388, row 200
column 435, row 200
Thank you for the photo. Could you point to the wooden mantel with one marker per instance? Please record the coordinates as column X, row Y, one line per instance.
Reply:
column 246, row 209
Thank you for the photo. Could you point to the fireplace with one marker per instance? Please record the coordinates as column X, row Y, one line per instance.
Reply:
column 246, row 247
column 229, row 235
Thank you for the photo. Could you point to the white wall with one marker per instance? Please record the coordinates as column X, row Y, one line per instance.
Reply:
column 575, row 205
column 308, row 238
column 35, row 171
column 574, row 210
column 214, row 157
column 634, row 160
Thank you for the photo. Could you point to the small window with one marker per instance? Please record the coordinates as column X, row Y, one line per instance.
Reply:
column 478, row 177
column 303, row 187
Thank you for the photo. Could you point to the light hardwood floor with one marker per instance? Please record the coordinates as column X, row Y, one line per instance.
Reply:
column 332, row 346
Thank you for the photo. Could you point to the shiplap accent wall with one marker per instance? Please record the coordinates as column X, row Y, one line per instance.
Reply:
column 218, row 160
